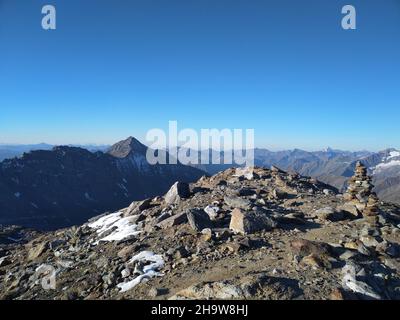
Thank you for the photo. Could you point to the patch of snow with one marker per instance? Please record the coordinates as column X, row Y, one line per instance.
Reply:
column 212, row 211
column 383, row 166
column 393, row 154
column 156, row 262
column 246, row 172
column 122, row 227
column 350, row 281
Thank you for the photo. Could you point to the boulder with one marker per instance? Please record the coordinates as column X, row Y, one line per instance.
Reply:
column 37, row 250
column 351, row 209
column 303, row 247
column 249, row 222
column 250, row 286
column 173, row 221
column 328, row 213
column 236, row 202
column 137, row 207
column 313, row 254
column 279, row 194
column 244, row 192
column 198, row 219
column 180, row 190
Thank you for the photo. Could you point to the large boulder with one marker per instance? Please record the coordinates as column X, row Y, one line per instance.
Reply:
column 137, row 207
column 311, row 253
column 37, row 250
column 198, row 219
column 249, row 222
column 250, row 286
column 173, row 221
column 180, row 190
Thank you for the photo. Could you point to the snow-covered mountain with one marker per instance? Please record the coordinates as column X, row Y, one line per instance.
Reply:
column 389, row 165
column 385, row 169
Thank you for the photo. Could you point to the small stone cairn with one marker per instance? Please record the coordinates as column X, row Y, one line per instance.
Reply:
column 359, row 192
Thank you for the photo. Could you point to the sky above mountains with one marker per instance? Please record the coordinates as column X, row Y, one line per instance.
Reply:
column 287, row 69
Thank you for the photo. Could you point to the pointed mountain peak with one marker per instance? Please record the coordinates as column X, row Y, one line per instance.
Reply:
column 126, row 147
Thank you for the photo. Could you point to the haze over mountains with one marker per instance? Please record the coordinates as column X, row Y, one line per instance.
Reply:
column 8, row 151
column 64, row 185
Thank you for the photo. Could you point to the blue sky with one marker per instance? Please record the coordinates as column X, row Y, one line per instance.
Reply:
column 118, row 68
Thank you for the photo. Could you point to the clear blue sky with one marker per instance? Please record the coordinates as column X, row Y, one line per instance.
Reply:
column 117, row 68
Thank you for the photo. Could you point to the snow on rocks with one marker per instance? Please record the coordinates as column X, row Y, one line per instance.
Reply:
column 246, row 172
column 393, row 154
column 383, row 166
column 388, row 162
column 350, row 282
column 148, row 264
column 115, row 227
column 212, row 211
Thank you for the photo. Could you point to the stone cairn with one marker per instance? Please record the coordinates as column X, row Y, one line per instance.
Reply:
column 359, row 192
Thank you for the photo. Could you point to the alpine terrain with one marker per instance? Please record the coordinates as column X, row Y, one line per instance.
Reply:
column 330, row 166
column 244, row 233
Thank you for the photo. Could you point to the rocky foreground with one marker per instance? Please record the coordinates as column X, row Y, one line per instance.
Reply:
column 248, row 233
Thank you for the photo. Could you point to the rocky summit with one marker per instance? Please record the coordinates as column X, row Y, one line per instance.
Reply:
column 250, row 233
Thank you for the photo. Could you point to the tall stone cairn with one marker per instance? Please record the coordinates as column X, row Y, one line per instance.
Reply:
column 360, row 193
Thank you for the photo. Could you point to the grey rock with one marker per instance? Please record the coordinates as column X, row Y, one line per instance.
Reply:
column 154, row 292
column 138, row 206
column 198, row 219
column 236, row 202
column 249, row 222
column 279, row 194
column 180, row 190
column 173, row 221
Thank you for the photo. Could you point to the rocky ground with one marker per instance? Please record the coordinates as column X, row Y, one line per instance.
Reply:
column 249, row 233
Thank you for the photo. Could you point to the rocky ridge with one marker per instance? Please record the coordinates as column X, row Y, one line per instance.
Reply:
column 52, row 189
column 246, row 233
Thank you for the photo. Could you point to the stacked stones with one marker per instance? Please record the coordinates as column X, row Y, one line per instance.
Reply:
column 372, row 206
column 360, row 192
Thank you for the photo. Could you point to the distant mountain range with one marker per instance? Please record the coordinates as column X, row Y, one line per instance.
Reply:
column 8, row 151
column 65, row 185
column 48, row 189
